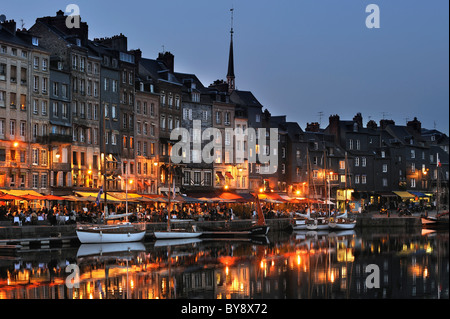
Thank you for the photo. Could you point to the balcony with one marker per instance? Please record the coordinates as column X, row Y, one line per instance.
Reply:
column 52, row 138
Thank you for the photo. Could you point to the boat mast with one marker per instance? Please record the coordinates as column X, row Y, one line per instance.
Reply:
column 105, row 205
column 170, row 177
column 261, row 220
column 437, row 184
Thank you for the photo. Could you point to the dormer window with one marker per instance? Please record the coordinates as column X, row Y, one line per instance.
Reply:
column 35, row 41
column 78, row 41
column 195, row 97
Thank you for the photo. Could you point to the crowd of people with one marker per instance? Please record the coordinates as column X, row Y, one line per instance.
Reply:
column 61, row 214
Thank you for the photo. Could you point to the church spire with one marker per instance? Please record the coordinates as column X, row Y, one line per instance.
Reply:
column 230, row 74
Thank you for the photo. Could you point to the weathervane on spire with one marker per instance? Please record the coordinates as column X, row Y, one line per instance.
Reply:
column 230, row 74
column 232, row 16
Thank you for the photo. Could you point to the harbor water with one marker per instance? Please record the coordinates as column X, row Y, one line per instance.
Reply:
column 298, row 265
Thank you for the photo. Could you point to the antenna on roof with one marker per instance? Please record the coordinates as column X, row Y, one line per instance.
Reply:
column 320, row 117
column 23, row 23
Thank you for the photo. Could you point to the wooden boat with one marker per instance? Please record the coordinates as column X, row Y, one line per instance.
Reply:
column 259, row 228
column 317, row 224
column 114, row 233
column 342, row 222
column 300, row 222
column 438, row 221
column 177, row 233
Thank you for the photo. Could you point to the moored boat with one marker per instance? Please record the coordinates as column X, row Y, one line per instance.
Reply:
column 342, row 223
column 114, row 233
column 317, row 224
column 438, row 221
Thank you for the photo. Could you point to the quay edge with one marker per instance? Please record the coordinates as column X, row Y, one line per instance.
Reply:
column 280, row 224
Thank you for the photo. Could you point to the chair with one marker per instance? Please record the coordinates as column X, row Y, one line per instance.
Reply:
column 18, row 221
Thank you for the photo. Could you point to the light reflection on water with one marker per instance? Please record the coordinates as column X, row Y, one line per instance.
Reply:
column 287, row 266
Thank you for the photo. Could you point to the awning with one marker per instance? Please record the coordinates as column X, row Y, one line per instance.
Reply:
column 219, row 174
column 228, row 174
column 140, row 184
column 89, row 195
column 20, row 192
column 404, row 195
column 123, row 195
column 418, row 194
column 387, row 194
column 232, row 197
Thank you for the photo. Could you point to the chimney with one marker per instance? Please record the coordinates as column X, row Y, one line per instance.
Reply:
column 372, row 125
column 385, row 123
column 10, row 26
column 168, row 59
column 415, row 125
column 59, row 22
column 117, row 42
column 358, row 119
column 312, row 127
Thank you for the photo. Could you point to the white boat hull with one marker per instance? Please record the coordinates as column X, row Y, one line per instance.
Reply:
column 116, row 233
column 299, row 225
column 175, row 234
column 88, row 237
column 342, row 225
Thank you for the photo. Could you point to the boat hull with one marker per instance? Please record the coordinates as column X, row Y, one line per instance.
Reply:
column 123, row 233
column 342, row 225
column 90, row 237
column 434, row 223
column 175, row 234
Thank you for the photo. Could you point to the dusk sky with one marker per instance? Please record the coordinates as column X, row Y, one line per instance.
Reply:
column 298, row 57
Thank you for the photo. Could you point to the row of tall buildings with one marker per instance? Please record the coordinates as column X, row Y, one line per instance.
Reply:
column 77, row 114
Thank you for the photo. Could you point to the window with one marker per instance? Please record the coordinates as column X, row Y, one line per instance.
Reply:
column 227, row 118
column 358, row 144
column 413, row 167
column 258, row 118
column 357, row 179
column 364, row 179
column 12, row 128
column 356, row 161
column 350, row 144
column 341, row 164
column 383, row 154
column 44, row 107
column 385, row 182
column 64, row 91
column 363, row 162
column 35, row 156
column 385, row 168
column 44, row 64
column 413, row 154
column 413, row 182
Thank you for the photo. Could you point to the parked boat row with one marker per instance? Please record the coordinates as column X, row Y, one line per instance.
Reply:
column 305, row 222
column 131, row 232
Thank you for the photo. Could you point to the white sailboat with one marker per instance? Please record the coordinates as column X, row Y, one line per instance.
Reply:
column 111, row 233
column 175, row 233
column 342, row 222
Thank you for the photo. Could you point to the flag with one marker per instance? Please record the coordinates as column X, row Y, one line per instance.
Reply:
column 100, row 192
column 438, row 162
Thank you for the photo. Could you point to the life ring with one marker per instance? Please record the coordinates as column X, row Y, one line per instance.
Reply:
column 331, row 220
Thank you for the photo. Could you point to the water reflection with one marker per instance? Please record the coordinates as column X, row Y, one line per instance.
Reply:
column 300, row 265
